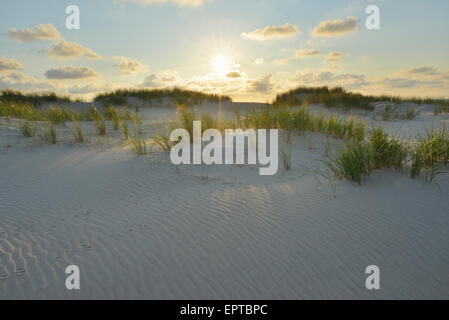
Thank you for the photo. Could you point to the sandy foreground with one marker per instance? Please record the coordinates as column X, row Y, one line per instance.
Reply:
column 138, row 228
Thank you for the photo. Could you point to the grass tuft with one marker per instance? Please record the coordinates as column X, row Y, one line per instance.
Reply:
column 431, row 151
column 443, row 107
column 138, row 144
column 352, row 162
column 387, row 151
column 27, row 129
column 77, row 132
column 51, row 134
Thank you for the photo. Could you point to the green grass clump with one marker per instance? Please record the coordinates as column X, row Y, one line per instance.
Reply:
column 126, row 114
column 101, row 126
column 111, row 114
column 352, row 162
column 359, row 158
column 137, row 144
column 411, row 114
column 27, row 129
column 61, row 115
column 125, row 129
column 339, row 97
column 18, row 97
column 178, row 95
column 77, row 132
column 115, row 100
column 51, row 134
column 31, row 113
column 431, row 151
column 323, row 95
column 163, row 141
column 303, row 120
column 94, row 114
column 186, row 116
column 387, row 151
column 20, row 111
column 443, row 107
column 389, row 113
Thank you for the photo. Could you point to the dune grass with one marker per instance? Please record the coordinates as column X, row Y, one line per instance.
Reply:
column 323, row 95
column 111, row 114
column 431, row 152
column 27, row 129
column 180, row 96
column 101, row 126
column 20, row 111
column 411, row 113
column 137, row 143
column 186, row 116
column 31, row 113
column 387, row 151
column 286, row 148
column 77, row 132
column 17, row 97
column 61, row 115
column 98, row 118
column 304, row 120
column 163, row 141
column 352, row 162
column 125, row 129
column 51, row 135
column 339, row 97
column 443, row 107
column 357, row 159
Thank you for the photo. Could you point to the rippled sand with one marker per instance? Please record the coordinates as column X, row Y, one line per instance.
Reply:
column 139, row 228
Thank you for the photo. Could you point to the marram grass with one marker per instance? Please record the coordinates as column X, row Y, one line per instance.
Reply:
column 357, row 159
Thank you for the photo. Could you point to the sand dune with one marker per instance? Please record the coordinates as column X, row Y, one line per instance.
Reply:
column 138, row 228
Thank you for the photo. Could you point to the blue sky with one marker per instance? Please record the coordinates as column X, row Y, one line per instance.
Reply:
column 248, row 49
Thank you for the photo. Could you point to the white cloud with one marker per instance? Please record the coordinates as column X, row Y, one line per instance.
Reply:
column 19, row 81
column 327, row 78
column 334, row 56
column 259, row 61
column 272, row 32
column 161, row 79
column 261, row 85
column 415, row 81
column 281, row 62
column 234, row 74
column 332, row 67
column 419, row 71
column 416, row 77
column 307, row 53
column 92, row 87
column 299, row 54
column 335, row 28
column 71, row 73
column 128, row 66
column 9, row 65
column 64, row 49
column 39, row 32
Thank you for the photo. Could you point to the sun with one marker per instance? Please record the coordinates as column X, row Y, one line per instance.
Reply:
column 221, row 64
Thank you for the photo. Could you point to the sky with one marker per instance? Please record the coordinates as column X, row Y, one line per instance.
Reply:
column 249, row 49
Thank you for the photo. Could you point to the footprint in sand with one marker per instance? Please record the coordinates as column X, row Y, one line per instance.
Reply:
column 86, row 246
column 4, row 276
column 20, row 271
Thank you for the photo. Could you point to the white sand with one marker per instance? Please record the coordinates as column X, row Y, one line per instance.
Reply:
column 137, row 228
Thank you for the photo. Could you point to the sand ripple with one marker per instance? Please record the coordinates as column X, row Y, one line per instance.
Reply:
column 138, row 229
